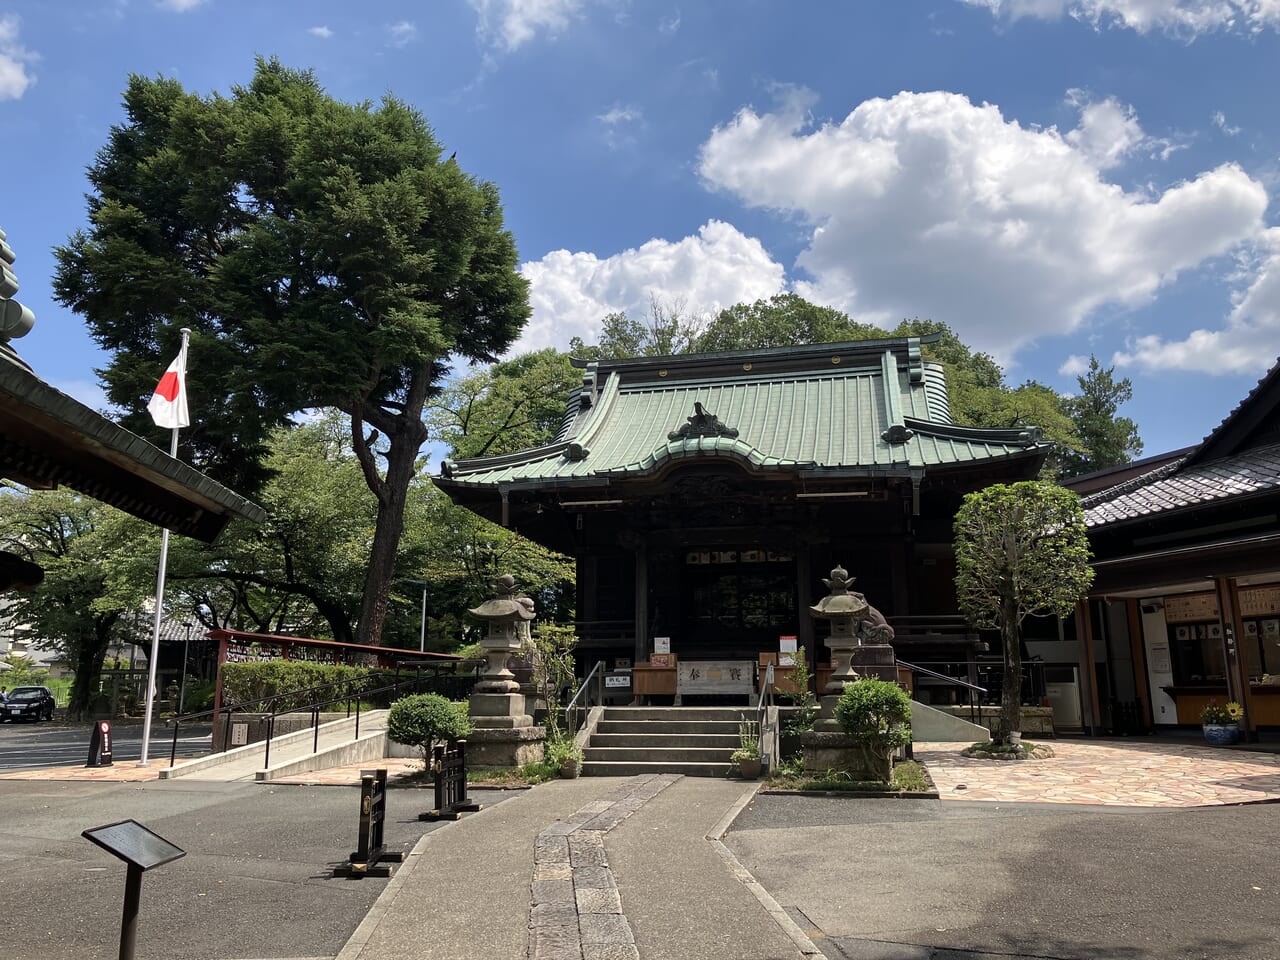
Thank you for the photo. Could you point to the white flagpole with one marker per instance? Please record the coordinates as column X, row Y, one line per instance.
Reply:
column 153, row 660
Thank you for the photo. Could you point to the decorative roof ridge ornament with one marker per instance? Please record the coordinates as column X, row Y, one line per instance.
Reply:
column 702, row 424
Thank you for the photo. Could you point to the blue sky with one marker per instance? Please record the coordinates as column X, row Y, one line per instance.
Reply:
column 1052, row 178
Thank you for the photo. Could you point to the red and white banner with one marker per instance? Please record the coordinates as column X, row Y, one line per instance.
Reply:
column 168, row 404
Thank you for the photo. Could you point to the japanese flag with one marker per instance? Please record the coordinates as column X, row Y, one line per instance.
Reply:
column 168, row 404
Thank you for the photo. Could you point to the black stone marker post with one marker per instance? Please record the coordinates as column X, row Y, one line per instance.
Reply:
column 100, row 745
column 141, row 850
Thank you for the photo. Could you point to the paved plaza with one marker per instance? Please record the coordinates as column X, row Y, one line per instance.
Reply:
column 1130, row 773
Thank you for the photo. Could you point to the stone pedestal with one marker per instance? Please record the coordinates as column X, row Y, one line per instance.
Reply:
column 505, row 747
column 826, row 749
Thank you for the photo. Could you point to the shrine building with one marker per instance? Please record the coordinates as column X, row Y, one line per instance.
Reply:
column 705, row 497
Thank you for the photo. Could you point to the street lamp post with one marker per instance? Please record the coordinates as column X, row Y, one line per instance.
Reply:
column 182, row 689
column 422, row 636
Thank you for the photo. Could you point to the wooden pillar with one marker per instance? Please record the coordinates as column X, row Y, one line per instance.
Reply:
column 1088, row 671
column 642, row 603
column 1238, row 688
column 1138, row 654
column 902, row 562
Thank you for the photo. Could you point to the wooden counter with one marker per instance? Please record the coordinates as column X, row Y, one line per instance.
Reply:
column 648, row 680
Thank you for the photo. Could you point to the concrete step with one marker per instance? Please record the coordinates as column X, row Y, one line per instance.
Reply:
column 634, row 768
column 664, row 755
column 663, row 727
column 684, row 714
column 728, row 741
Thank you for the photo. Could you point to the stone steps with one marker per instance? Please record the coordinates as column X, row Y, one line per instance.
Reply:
column 694, row 741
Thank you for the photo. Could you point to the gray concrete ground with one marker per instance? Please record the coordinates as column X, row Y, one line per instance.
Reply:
column 868, row 879
column 256, row 881
column 914, row 880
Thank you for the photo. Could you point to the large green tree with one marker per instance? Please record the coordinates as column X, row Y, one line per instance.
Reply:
column 323, row 254
column 1106, row 438
column 1021, row 551
column 83, row 605
column 783, row 320
column 509, row 406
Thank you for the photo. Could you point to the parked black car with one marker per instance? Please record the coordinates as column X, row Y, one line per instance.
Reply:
column 29, row 703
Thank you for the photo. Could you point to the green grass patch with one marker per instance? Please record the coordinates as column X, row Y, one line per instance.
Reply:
column 538, row 772
column 908, row 777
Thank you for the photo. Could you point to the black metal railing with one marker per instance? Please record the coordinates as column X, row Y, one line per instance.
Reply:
column 590, row 694
column 350, row 692
column 974, row 691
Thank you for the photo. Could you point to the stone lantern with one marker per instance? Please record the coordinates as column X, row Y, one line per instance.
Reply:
column 504, row 734
column 860, row 647
column 859, row 640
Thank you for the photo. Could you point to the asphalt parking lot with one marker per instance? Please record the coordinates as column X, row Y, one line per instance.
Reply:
column 257, row 880
column 929, row 880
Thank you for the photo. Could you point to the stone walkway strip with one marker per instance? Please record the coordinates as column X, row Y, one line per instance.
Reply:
column 575, row 911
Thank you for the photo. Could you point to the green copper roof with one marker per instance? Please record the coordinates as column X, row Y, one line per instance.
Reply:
column 853, row 409
column 48, row 439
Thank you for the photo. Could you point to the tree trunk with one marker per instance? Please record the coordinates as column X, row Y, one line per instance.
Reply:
column 88, row 668
column 402, row 461
column 1011, row 695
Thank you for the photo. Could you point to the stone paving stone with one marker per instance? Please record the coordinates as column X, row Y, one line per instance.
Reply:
column 555, row 943
column 598, row 901
column 593, row 878
column 558, row 829
column 610, row 951
column 585, row 852
column 551, row 849
column 604, row 928
column 555, row 871
column 552, row 891
column 553, row 915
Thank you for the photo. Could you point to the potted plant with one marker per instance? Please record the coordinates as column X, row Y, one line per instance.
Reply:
column 1220, row 723
column 747, row 756
column 566, row 756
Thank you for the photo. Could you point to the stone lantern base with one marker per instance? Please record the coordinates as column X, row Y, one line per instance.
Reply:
column 503, row 734
column 512, row 747
column 829, row 750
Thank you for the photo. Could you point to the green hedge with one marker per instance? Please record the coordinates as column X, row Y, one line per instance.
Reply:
column 246, row 682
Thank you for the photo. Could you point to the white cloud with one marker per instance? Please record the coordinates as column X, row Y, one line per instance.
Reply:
column 1109, row 131
column 618, row 121
column 1249, row 341
column 571, row 292
column 1188, row 18
column 1074, row 365
column 402, row 33
column 618, row 114
column 669, row 25
column 927, row 204
column 324, row 33
column 178, row 6
column 512, row 23
column 1220, row 121
column 15, row 60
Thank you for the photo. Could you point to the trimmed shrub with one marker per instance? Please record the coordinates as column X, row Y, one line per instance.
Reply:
column 876, row 712
column 425, row 718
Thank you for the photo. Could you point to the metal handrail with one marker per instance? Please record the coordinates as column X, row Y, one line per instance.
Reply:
column 764, row 703
column 353, row 692
column 916, row 668
column 974, row 690
column 572, row 707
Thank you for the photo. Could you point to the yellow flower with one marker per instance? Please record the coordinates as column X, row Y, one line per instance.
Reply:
column 1234, row 710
